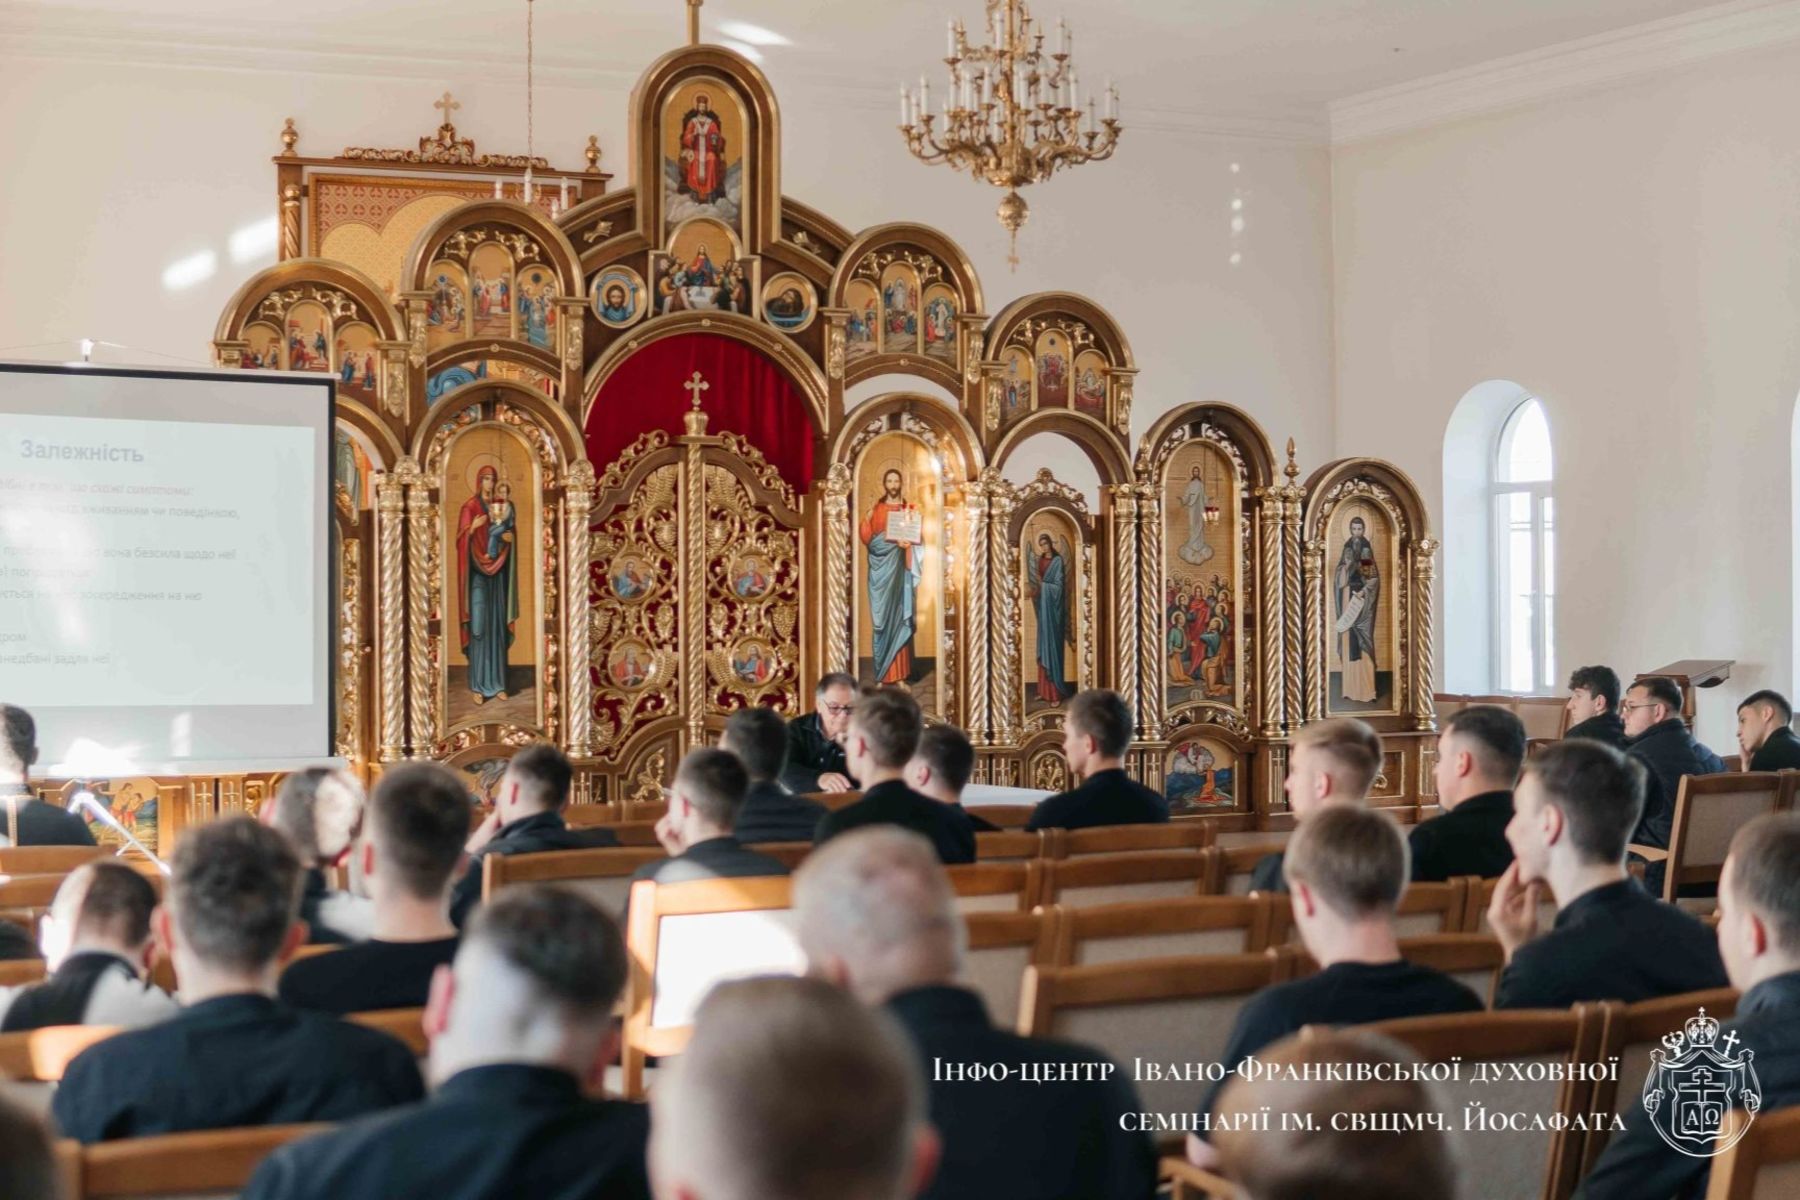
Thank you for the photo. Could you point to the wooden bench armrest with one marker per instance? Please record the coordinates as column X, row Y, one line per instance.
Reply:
column 1648, row 853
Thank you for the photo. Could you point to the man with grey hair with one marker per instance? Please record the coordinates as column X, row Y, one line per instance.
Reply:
column 790, row 1090
column 815, row 759
column 320, row 811
column 521, row 1033
column 97, row 944
column 877, row 915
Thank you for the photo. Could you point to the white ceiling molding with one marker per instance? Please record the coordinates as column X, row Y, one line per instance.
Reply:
column 1566, row 69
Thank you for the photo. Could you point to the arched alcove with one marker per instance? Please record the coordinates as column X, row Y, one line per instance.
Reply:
column 1066, row 460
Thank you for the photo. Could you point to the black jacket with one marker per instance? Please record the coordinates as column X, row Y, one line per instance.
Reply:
column 1608, row 727
column 1781, row 752
column 715, row 858
column 811, row 754
column 1668, row 751
column 1105, row 798
column 488, row 1133
column 1024, row 1140
column 528, row 835
column 1469, row 839
column 771, row 813
column 44, row 824
column 1639, row 1165
column 893, row 803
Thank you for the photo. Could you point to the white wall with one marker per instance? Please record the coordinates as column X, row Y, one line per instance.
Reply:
column 1629, row 257
column 114, row 171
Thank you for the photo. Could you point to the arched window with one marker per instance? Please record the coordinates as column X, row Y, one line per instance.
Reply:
column 1524, row 604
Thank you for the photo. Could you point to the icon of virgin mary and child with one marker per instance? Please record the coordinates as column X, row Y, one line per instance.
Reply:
column 487, row 583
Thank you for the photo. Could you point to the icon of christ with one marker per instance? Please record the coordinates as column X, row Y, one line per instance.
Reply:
column 893, row 535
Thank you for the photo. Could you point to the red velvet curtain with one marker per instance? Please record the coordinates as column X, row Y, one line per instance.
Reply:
column 746, row 394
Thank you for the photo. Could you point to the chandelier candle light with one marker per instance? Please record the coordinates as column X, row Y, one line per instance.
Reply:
column 526, row 188
column 1011, row 113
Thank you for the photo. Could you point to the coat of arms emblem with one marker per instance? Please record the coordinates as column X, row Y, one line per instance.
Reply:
column 1694, row 1081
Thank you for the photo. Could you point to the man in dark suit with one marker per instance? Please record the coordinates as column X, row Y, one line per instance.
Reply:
column 1331, row 762
column 1577, row 802
column 877, row 916
column 884, row 733
column 320, row 812
column 1759, row 938
column 1658, row 738
column 815, row 760
column 1765, row 733
column 235, row 1055
column 1097, row 731
column 704, row 802
column 940, row 768
column 527, row 818
column 1479, row 752
column 1593, row 706
column 521, row 1033
column 771, row 813
column 24, row 819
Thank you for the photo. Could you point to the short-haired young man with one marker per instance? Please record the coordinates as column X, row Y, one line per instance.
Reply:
column 791, row 1089
column 1478, row 757
column 1331, row 762
column 527, row 818
column 418, row 817
column 771, row 812
column 24, row 819
column 876, row 915
column 704, row 802
column 1097, row 731
column 1577, row 803
column 940, row 768
column 1759, row 938
column 1593, row 706
column 521, row 1033
column 816, row 761
column 97, row 944
column 234, row 1056
column 320, row 812
column 1658, row 737
column 884, row 733
column 1346, row 871
column 1765, row 732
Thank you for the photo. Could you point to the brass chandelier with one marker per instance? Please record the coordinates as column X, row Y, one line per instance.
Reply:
column 1012, row 112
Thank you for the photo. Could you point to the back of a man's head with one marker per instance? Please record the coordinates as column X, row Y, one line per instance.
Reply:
column 319, row 810
column 1348, row 750
column 759, row 737
column 18, row 742
column 103, row 904
column 418, row 821
column 715, row 783
column 789, row 1090
column 1493, row 737
column 1598, row 790
column 1353, row 859
column 27, row 1168
column 1391, row 1153
column 234, row 894
column 544, row 775
column 946, row 752
column 889, row 722
column 876, row 912
column 1102, row 714
column 1763, row 878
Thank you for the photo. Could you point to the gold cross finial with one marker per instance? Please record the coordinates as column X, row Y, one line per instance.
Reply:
column 448, row 105
column 696, row 385
column 695, row 419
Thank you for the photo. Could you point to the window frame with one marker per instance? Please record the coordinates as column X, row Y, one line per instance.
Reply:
column 1540, row 495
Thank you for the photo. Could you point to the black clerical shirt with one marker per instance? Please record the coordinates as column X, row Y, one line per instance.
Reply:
column 1780, row 751
column 41, row 823
column 771, row 813
column 715, row 858
column 1607, row 727
column 367, row 977
column 1616, row 942
column 1346, row 993
column 893, row 803
column 1057, row 1140
column 496, row 1132
column 1109, row 797
column 1469, row 839
column 527, row 835
column 231, row 1061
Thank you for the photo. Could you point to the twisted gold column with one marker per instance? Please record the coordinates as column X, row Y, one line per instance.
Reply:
column 837, row 569
column 1125, row 583
column 980, row 641
column 1313, row 584
column 390, row 605
column 1151, row 692
column 421, row 538
column 1268, row 590
column 1424, row 654
column 1009, row 705
column 578, row 501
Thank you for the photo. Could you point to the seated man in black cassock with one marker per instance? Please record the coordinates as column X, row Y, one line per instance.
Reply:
column 940, row 768
column 815, row 760
column 1593, row 706
column 1331, row 762
column 1097, row 732
column 1658, row 737
column 527, row 818
column 235, row 1055
column 771, row 812
column 521, row 1034
column 884, row 733
column 1346, row 871
column 704, row 802
column 1576, row 804
column 320, row 812
column 418, row 817
column 1765, row 733
column 24, row 819
column 876, row 915
column 1478, row 758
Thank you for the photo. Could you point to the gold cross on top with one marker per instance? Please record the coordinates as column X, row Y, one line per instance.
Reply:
column 696, row 385
column 448, row 105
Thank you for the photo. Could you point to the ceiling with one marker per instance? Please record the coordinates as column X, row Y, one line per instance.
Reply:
column 1275, row 58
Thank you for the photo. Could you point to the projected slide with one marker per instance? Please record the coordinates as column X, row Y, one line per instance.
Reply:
column 163, row 566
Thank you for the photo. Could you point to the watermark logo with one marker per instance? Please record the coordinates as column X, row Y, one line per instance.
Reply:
column 1694, row 1081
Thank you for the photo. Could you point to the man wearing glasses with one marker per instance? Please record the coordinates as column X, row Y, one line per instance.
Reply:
column 816, row 741
column 1656, row 736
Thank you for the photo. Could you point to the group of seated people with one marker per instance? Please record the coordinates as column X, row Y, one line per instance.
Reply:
column 826, row 1086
